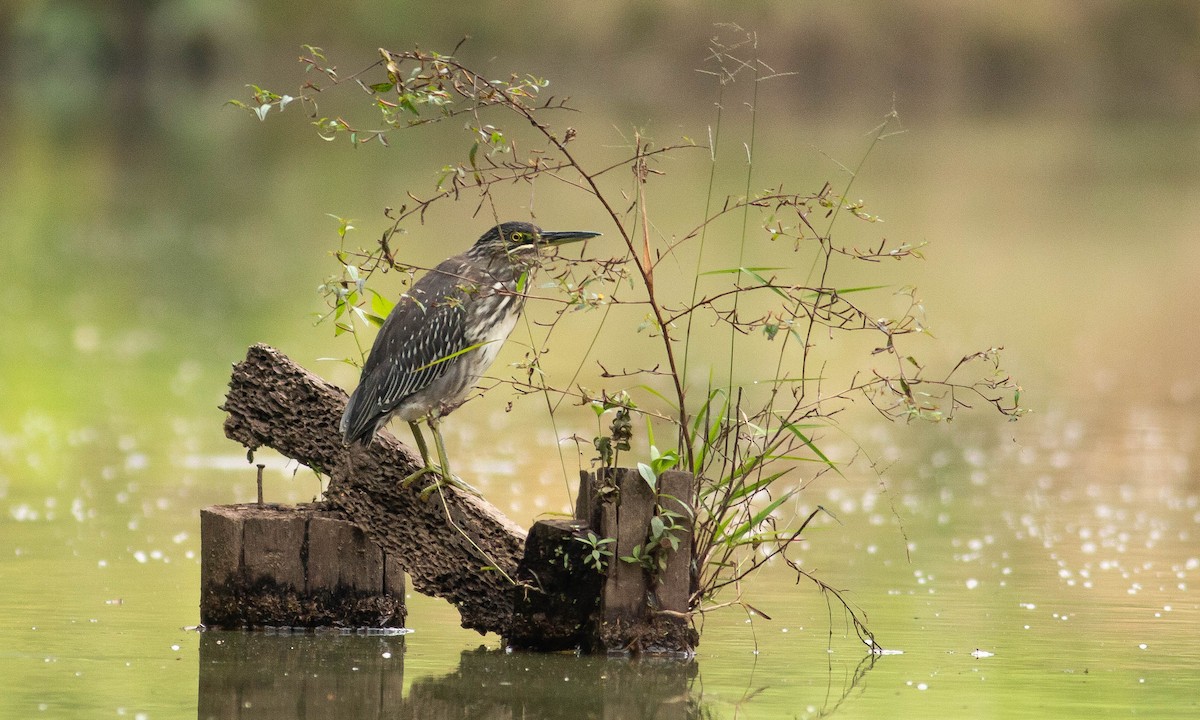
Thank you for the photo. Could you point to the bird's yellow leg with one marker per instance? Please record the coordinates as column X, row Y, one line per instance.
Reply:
column 428, row 468
column 441, row 450
column 447, row 477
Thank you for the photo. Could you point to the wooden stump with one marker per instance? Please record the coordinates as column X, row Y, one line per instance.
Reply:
column 644, row 610
column 277, row 566
column 556, row 603
column 626, row 607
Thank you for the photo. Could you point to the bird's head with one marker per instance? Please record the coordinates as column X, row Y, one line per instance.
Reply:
column 518, row 239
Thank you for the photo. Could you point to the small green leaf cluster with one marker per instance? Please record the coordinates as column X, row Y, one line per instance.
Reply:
column 666, row 533
column 598, row 554
column 620, row 431
column 352, row 303
column 659, row 463
column 264, row 100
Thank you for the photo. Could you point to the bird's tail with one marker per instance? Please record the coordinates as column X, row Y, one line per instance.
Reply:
column 357, row 424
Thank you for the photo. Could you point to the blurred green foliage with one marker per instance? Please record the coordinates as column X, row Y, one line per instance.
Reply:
column 1108, row 58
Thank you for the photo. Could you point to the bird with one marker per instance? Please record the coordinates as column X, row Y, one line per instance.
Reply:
column 444, row 333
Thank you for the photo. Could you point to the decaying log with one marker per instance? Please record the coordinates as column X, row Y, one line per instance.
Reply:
column 443, row 541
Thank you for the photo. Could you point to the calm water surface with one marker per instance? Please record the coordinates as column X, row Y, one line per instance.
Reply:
column 1032, row 588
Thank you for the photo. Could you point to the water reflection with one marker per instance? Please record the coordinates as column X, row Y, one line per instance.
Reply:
column 257, row 675
column 263, row 675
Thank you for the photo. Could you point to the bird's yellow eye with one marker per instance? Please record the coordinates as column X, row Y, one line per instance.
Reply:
column 518, row 237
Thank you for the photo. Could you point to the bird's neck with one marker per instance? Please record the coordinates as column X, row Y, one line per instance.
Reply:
column 505, row 266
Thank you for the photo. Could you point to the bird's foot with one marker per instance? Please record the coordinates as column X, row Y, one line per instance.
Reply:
column 419, row 474
column 440, row 479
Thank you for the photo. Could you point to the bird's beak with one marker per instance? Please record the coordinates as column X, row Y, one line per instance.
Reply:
column 565, row 236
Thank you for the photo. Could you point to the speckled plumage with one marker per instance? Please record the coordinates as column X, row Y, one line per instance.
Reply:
column 420, row 365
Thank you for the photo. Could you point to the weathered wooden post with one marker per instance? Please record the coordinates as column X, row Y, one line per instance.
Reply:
column 272, row 565
column 638, row 602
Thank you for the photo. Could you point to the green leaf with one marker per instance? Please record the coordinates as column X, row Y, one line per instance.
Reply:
column 452, row 355
column 380, row 305
column 739, row 270
column 658, row 395
column 795, row 430
column 660, row 463
column 656, row 527
column 741, row 530
column 864, row 288
column 752, row 273
column 648, row 475
column 750, row 489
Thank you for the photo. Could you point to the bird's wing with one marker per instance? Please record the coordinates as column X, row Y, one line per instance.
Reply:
column 422, row 331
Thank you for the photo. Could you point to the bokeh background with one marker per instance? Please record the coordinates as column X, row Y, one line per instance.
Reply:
column 152, row 232
column 149, row 232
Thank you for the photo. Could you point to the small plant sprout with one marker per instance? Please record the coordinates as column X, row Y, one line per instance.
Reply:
column 597, row 553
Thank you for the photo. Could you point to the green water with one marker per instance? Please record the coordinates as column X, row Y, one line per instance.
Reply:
column 1045, row 568
column 1033, row 589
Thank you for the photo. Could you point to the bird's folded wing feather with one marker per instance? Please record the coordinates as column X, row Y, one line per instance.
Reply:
column 417, row 338
column 415, row 350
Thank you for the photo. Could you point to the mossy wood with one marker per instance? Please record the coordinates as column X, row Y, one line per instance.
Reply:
column 566, row 602
column 272, row 566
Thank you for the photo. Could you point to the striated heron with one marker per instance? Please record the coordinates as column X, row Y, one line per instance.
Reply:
column 444, row 333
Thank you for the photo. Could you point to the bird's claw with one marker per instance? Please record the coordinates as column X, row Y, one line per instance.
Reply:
column 440, row 480
column 410, row 479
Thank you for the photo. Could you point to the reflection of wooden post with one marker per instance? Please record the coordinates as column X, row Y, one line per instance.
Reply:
column 261, row 675
column 356, row 677
column 271, row 565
